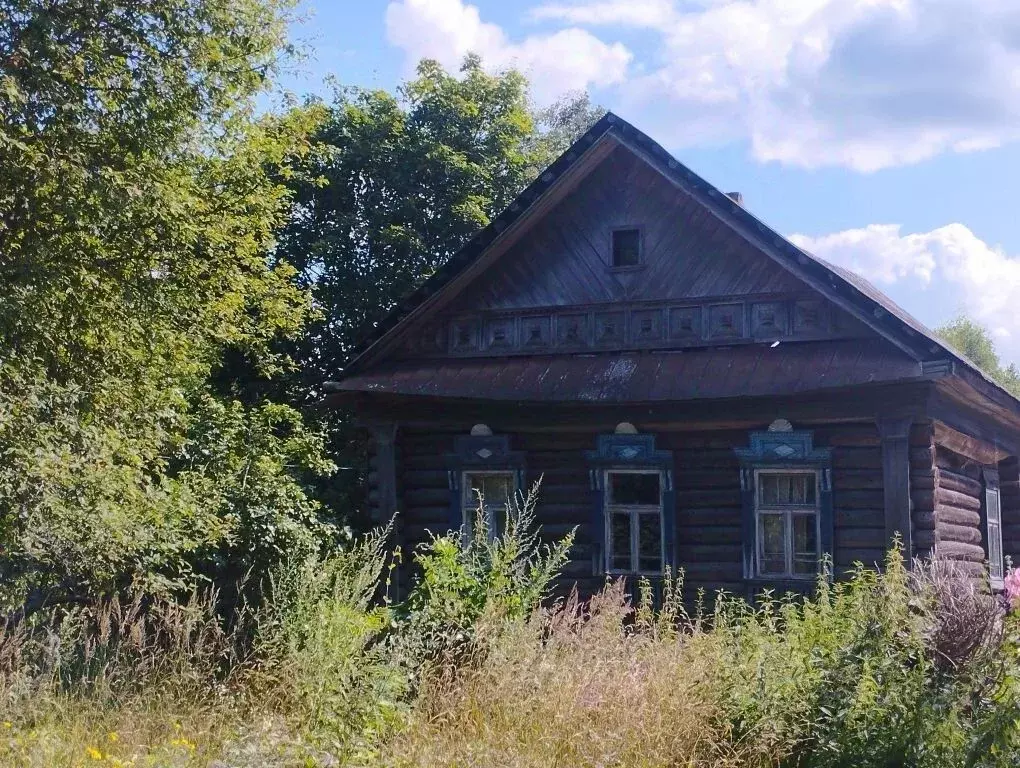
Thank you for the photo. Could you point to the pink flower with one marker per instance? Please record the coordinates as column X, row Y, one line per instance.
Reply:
column 1012, row 587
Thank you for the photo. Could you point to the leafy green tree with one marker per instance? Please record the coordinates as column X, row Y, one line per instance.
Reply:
column 397, row 183
column 401, row 181
column 974, row 342
column 138, row 203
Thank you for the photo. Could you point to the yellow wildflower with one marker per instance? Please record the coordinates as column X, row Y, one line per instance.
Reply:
column 94, row 753
column 182, row 742
column 112, row 737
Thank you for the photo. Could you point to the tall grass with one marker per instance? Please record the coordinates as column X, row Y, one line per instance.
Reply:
column 892, row 668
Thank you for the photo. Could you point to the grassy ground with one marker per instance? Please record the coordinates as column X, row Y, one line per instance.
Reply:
column 888, row 669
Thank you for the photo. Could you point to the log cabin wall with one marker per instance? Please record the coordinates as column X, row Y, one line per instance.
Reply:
column 707, row 493
column 958, row 492
column 923, row 484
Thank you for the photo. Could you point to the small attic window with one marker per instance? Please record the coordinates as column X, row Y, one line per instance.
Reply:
column 626, row 247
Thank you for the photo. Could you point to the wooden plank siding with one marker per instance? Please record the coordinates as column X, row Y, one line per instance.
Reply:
column 565, row 258
column 707, row 493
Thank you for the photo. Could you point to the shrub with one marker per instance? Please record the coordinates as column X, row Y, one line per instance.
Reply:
column 860, row 674
column 464, row 577
column 320, row 652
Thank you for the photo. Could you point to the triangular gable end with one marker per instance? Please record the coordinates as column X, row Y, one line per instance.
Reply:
column 842, row 290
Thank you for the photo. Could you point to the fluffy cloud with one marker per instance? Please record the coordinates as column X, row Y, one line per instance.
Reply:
column 860, row 83
column 934, row 275
column 565, row 60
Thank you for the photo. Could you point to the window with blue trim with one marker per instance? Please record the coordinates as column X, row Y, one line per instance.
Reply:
column 487, row 495
column 485, row 476
column 634, row 511
column 786, row 489
column 633, row 505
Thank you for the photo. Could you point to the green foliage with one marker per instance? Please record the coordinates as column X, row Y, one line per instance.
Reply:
column 319, row 644
column 852, row 677
column 871, row 672
column 975, row 343
column 396, row 184
column 400, row 181
column 463, row 578
column 138, row 200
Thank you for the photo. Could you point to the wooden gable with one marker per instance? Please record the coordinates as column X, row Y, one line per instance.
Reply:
column 698, row 283
column 565, row 259
column 534, row 283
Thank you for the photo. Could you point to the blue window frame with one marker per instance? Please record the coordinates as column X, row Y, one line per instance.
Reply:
column 483, row 467
column 633, row 506
column 786, row 492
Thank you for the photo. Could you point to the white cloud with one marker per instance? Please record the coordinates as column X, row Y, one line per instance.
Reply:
column 934, row 275
column 861, row 83
column 566, row 60
column 635, row 13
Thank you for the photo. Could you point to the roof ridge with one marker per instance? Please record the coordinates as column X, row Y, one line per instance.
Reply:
column 842, row 286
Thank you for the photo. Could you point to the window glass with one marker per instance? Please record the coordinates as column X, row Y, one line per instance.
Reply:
column 772, row 538
column 619, row 543
column 626, row 248
column 495, row 490
column 805, row 544
column 788, row 516
column 650, row 542
column 780, row 489
column 636, row 488
column 993, row 515
column 633, row 502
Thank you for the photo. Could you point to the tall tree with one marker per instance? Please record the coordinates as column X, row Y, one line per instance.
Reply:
column 401, row 181
column 398, row 183
column 137, row 209
column 975, row 342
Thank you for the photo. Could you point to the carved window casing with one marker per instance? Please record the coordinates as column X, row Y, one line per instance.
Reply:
column 786, row 492
column 633, row 506
column 483, row 470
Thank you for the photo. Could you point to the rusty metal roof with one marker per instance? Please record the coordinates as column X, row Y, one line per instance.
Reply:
column 740, row 371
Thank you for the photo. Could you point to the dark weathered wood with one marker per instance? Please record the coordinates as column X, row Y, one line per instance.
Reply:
column 628, row 377
column 1009, row 483
column 895, row 434
column 564, row 258
column 740, row 413
column 384, row 492
column 974, row 448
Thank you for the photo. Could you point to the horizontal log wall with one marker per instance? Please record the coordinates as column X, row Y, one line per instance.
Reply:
column 858, row 501
column 957, row 499
column 708, row 504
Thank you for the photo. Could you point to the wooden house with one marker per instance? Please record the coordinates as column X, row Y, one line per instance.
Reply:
column 693, row 389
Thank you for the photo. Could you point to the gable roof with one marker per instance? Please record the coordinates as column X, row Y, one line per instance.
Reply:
column 844, row 288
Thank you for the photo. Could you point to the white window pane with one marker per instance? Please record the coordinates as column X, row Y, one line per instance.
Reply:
column 995, row 569
column 619, row 541
column 637, row 488
column 994, row 505
column 650, row 542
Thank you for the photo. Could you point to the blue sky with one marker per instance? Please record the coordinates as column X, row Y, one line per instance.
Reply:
column 884, row 134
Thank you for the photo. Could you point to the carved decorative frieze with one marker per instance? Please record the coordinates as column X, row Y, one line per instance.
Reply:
column 664, row 325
